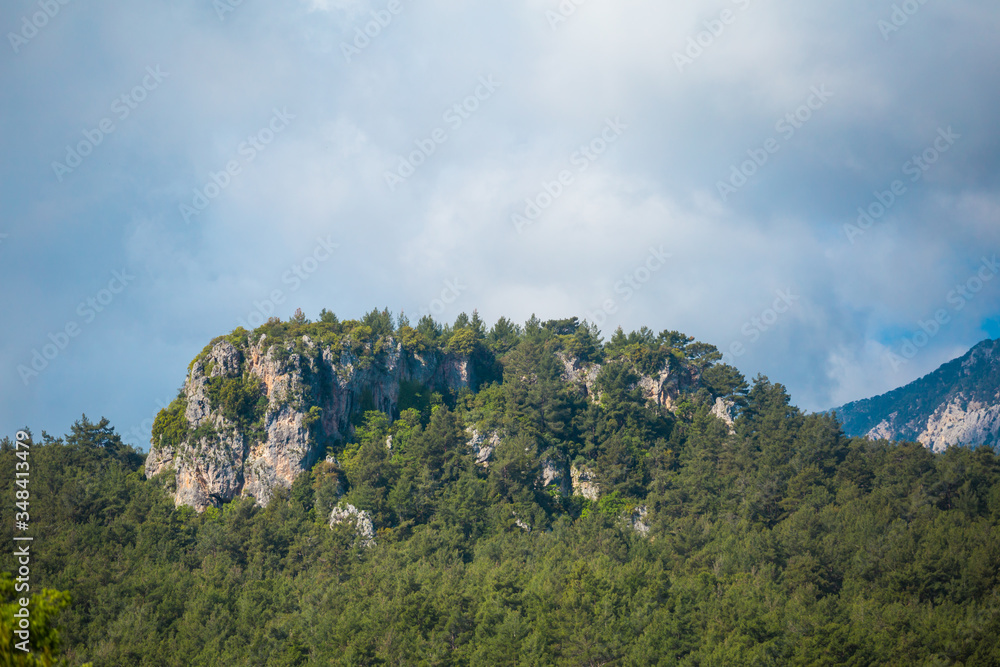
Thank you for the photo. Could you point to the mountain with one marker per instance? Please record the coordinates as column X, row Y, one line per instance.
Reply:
column 367, row 492
column 260, row 408
column 254, row 415
column 958, row 404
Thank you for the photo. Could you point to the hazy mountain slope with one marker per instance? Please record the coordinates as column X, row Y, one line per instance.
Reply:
column 958, row 404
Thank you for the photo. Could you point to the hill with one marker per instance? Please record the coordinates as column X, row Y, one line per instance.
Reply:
column 365, row 492
column 957, row 404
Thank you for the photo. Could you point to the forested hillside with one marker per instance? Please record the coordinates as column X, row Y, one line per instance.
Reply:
column 549, row 513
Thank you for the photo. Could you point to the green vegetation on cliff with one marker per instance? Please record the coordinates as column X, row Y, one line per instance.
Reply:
column 776, row 541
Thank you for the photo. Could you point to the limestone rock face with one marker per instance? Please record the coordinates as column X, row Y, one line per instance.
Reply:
column 663, row 389
column 483, row 446
column 957, row 422
column 551, row 472
column 360, row 519
column 725, row 410
column 638, row 520
column 584, row 483
column 580, row 373
column 957, row 404
column 968, row 424
column 308, row 396
column 554, row 473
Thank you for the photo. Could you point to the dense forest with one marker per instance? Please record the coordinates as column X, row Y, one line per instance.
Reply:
column 774, row 540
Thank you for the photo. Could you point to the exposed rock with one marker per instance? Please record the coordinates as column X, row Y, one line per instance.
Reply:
column 550, row 472
column 956, row 424
column 361, row 520
column 482, row 446
column 957, row 404
column 159, row 460
column 554, row 474
column 725, row 410
column 521, row 524
column 220, row 460
column 665, row 388
column 584, row 483
column 579, row 373
column 637, row 519
column 662, row 389
column 224, row 360
column 884, row 430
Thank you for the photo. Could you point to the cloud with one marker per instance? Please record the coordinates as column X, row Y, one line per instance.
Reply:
column 560, row 82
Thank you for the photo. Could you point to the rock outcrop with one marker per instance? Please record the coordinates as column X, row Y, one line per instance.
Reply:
column 360, row 519
column 306, row 396
column 482, row 446
column 663, row 389
column 255, row 412
column 580, row 373
column 638, row 520
column 958, row 404
column 584, row 483
column 725, row 410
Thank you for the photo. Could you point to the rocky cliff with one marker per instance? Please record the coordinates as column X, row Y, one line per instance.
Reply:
column 253, row 415
column 257, row 409
column 958, row 404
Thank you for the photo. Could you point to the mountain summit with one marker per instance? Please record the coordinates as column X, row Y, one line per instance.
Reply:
column 958, row 404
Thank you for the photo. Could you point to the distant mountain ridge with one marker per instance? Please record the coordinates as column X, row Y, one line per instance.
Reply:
column 957, row 404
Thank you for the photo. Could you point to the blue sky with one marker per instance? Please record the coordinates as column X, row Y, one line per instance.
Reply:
column 170, row 168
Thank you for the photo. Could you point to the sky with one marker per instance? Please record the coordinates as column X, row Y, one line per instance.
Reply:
column 811, row 187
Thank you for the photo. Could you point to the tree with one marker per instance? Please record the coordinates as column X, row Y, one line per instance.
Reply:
column 40, row 643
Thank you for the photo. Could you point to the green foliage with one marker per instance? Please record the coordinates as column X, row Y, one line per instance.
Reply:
column 463, row 341
column 585, row 344
column 238, row 339
column 782, row 543
column 412, row 340
column 242, row 400
column 312, row 417
column 380, row 323
column 415, row 396
column 170, row 428
column 503, row 336
column 725, row 381
column 40, row 647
